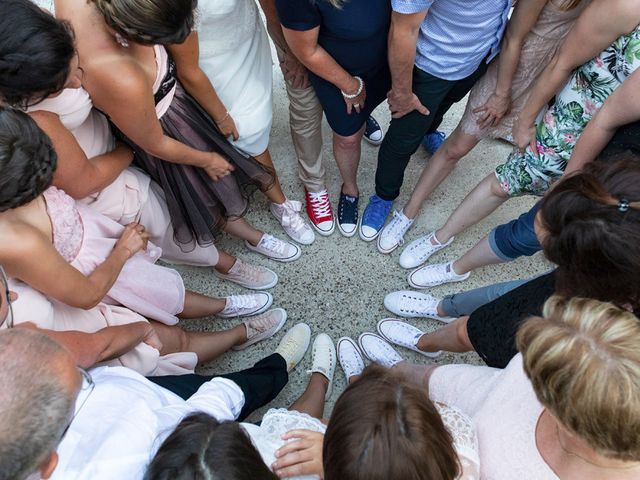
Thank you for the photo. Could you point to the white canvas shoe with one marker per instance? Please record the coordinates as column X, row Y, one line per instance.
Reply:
column 254, row 277
column 419, row 251
column 410, row 304
column 323, row 355
column 434, row 275
column 276, row 249
column 350, row 357
column 402, row 334
column 263, row 326
column 378, row 350
column 392, row 235
column 288, row 214
column 294, row 345
column 246, row 305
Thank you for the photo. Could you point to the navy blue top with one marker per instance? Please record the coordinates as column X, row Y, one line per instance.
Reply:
column 354, row 35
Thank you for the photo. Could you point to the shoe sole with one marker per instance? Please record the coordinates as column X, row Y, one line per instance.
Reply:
column 415, row 349
column 262, row 309
column 324, row 233
column 385, row 251
column 287, row 233
column 281, row 260
column 222, row 276
column 346, row 234
column 362, row 349
column 431, row 285
column 373, row 142
column 362, row 237
column 258, row 338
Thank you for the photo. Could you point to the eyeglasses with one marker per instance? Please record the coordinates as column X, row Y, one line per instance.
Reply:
column 5, row 286
column 87, row 387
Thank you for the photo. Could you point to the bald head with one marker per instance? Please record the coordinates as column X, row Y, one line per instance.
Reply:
column 40, row 383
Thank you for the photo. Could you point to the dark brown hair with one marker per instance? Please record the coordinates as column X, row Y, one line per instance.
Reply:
column 384, row 427
column 202, row 448
column 592, row 232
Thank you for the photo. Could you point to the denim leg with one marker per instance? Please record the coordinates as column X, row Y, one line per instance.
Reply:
column 516, row 238
column 464, row 303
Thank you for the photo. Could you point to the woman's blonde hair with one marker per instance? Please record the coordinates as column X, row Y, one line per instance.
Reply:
column 567, row 5
column 583, row 360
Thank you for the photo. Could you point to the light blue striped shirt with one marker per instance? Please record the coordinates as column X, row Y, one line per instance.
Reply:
column 456, row 35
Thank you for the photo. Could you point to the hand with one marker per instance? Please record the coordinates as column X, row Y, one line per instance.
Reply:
column 356, row 103
column 524, row 133
column 295, row 73
column 151, row 338
column 217, row 167
column 134, row 238
column 228, row 127
column 302, row 457
column 400, row 104
column 494, row 110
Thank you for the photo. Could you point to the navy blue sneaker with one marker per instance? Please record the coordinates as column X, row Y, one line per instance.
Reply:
column 374, row 217
column 347, row 214
column 432, row 141
column 373, row 132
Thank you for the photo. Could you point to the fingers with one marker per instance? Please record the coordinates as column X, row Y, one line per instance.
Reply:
column 295, row 433
column 534, row 146
column 235, row 133
column 421, row 108
column 480, row 109
column 305, row 468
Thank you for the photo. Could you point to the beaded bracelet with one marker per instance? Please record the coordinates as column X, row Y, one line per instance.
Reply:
column 354, row 95
column 223, row 118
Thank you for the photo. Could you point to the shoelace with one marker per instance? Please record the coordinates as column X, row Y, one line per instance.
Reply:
column 250, row 272
column 238, row 302
column 347, row 209
column 273, row 245
column 291, row 216
column 398, row 227
column 416, row 305
column 258, row 325
column 320, row 203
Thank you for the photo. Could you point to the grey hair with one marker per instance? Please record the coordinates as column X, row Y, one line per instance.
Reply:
column 34, row 405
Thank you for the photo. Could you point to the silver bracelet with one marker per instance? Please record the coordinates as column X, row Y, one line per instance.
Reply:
column 354, row 95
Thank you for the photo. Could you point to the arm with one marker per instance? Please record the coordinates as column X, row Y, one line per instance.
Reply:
column 403, row 36
column 598, row 26
column 120, row 89
column 195, row 81
column 524, row 18
column 621, row 108
column 35, row 261
column 76, row 174
column 89, row 349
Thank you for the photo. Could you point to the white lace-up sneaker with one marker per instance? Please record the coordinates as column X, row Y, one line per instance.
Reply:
column 246, row 305
column 263, row 326
column 288, row 214
column 350, row 357
column 276, row 249
column 434, row 275
column 403, row 334
column 419, row 251
column 254, row 277
column 294, row 345
column 378, row 350
column 407, row 303
column 323, row 359
column 392, row 235
column 320, row 212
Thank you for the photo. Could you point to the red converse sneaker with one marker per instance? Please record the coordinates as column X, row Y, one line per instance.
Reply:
column 320, row 211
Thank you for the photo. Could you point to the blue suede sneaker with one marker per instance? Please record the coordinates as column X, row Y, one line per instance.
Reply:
column 347, row 215
column 432, row 141
column 373, row 132
column 374, row 217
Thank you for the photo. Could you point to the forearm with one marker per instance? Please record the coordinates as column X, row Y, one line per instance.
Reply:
column 322, row 64
column 198, row 85
column 171, row 150
column 274, row 29
column 507, row 66
column 593, row 140
column 402, row 55
column 102, row 278
column 106, row 168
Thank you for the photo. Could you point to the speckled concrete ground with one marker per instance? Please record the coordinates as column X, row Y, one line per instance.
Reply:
column 338, row 284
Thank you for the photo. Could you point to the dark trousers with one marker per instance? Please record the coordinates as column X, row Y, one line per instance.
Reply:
column 260, row 383
column 405, row 134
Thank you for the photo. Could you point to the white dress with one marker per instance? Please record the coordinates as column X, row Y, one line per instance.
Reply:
column 236, row 56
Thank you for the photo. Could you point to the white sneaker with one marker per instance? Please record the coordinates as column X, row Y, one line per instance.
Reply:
column 263, row 326
column 323, row 359
column 419, row 251
column 246, row 305
column 249, row 276
column 392, row 235
column 276, row 249
column 288, row 214
column 294, row 345
column 350, row 357
column 407, row 303
column 378, row 350
column 403, row 334
column 434, row 275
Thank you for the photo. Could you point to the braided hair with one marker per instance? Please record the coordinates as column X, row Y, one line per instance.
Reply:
column 149, row 22
column 27, row 159
column 36, row 51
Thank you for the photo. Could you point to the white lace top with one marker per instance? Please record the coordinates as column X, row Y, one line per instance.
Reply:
column 267, row 437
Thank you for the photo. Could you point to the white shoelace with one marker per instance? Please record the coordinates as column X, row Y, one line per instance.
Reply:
column 418, row 305
column 238, row 302
column 398, row 227
column 273, row 245
column 258, row 325
column 250, row 272
column 320, row 203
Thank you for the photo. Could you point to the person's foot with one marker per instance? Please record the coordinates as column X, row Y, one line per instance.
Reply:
column 432, row 141
column 350, row 358
column 249, row 276
column 392, row 235
column 320, row 212
column 347, row 215
column 246, row 305
column 323, row 359
column 288, row 214
column 403, row 334
column 377, row 350
column 374, row 217
column 434, row 275
column 276, row 249
column 419, row 251
column 412, row 304
column 373, row 132
column 294, row 345
column 262, row 327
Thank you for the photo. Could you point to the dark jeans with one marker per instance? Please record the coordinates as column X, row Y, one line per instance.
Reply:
column 260, row 383
column 405, row 134
column 516, row 238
